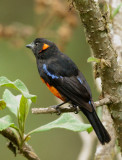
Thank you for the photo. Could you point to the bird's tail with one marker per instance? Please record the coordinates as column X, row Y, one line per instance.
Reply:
column 98, row 127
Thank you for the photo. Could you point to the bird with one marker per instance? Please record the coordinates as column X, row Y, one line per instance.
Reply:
column 63, row 78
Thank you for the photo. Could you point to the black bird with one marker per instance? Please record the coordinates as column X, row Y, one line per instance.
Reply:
column 66, row 82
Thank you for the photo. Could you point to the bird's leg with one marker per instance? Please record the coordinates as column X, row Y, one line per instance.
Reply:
column 76, row 108
column 57, row 107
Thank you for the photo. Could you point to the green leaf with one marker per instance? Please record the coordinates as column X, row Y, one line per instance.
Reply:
column 18, row 105
column 12, row 102
column 116, row 10
column 24, row 107
column 66, row 121
column 5, row 122
column 19, row 85
column 2, row 104
column 93, row 59
column 23, row 112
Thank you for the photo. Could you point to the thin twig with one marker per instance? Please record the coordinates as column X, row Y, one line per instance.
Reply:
column 51, row 109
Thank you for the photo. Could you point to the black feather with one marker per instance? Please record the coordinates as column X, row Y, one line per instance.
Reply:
column 98, row 127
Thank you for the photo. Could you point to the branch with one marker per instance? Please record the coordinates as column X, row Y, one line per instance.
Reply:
column 51, row 109
column 26, row 150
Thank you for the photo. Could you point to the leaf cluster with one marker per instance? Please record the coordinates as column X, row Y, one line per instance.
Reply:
column 19, row 105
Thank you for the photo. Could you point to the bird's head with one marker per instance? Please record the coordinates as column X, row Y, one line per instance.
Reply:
column 42, row 48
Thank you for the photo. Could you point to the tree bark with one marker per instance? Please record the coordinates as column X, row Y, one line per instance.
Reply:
column 98, row 36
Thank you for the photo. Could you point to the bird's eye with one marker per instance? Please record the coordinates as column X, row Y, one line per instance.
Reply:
column 36, row 43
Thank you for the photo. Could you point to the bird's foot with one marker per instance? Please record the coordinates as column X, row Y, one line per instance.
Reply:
column 76, row 110
column 57, row 108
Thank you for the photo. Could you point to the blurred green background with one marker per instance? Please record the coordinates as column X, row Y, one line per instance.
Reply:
column 19, row 63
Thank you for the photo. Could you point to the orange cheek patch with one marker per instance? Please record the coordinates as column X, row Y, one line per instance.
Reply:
column 53, row 90
column 45, row 46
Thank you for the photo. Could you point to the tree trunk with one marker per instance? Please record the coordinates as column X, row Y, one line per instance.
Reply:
column 98, row 36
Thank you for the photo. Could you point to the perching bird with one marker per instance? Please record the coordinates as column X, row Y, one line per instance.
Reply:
column 65, row 81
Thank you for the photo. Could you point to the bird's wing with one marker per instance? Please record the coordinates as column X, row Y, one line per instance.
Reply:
column 73, row 87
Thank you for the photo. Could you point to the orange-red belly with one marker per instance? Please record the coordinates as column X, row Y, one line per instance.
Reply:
column 53, row 90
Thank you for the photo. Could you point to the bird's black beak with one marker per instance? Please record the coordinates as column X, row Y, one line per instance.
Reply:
column 31, row 46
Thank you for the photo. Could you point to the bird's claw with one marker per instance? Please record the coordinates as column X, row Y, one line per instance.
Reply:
column 76, row 111
column 57, row 108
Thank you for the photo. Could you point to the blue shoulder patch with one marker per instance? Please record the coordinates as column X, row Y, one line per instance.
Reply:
column 79, row 79
column 49, row 74
column 89, row 102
